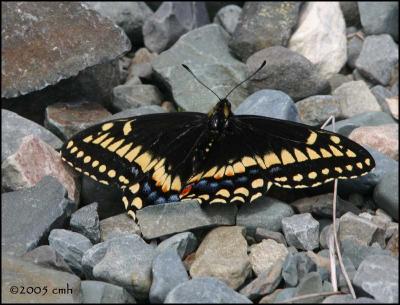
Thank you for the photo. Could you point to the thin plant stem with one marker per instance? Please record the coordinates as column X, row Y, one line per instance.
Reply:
column 331, row 245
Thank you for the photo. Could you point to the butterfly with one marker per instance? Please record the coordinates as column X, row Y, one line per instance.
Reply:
column 214, row 158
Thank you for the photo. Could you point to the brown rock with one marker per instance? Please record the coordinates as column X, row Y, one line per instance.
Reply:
column 31, row 162
column 393, row 244
column 393, row 104
column 223, row 255
column 66, row 119
column 117, row 225
column 383, row 138
column 44, row 42
column 141, row 64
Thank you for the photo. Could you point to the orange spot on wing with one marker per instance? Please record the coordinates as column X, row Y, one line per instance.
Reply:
column 186, row 191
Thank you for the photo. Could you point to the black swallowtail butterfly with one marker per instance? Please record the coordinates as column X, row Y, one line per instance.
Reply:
column 217, row 157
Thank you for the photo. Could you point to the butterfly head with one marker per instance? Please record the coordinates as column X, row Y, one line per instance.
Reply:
column 220, row 114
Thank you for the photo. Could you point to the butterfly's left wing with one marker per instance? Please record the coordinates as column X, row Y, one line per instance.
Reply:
column 148, row 156
column 256, row 152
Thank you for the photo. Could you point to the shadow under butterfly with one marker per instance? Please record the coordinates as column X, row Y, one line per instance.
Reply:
column 214, row 158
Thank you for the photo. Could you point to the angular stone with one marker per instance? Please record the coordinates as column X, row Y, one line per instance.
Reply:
column 104, row 293
column 386, row 194
column 321, row 37
column 205, row 50
column 264, row 283
column 168, row 272
column 347, row 299
column 184, row 243
column 296, row 266
column 130, row 16
column 140, row 65
column 325, row 235
column 380, row 17
column 86, row 222
column 354, row 47
column 301, row 231
column 79, row 26
column 378, row 56
column 311, row 283
column 338, row 79
column 357, row 251
column 372, row 118
column 286, row 71
column 126, row 262
column 182, row 216
column 355, row 98
column 393, row 244
column 383, row 138
column 134, row 96
column 269, row 103
column 172, row 20
column 34, row 160
column 377, row 276
column 279, row 296
column 20, row 273
column 223, row 255
column 360, row 228
column 66, row 119
column 266, row 213
column 71, row 246
column 382, row 94
column 228, row 17
column 315, row 110
column 262, row 233
column 117, row 225
column 14, row 128
column 350, row 13
column 393, row 104
column 28, row 215
column 265, row 255
column 208, row 290
column 47, row 257
column 263, row 25
column 321, row 205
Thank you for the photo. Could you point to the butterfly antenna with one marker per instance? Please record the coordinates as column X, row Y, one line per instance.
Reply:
column 262, row 66
column 190, row 71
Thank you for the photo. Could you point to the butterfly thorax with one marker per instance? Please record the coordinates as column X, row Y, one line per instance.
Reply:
column 219, row 116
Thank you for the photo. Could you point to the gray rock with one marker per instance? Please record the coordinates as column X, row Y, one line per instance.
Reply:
column 310, row 283
column 354, row 47
column 264, row 283
column 279, row 296
column 262, row 233
column 168, row 272
column 338, row 79
column 355, row 98
column 28, row 215
column 350, row 269
column 20, row 273
column 378, row 56
column 350, row 13
column 14, row 128
column 296, row 266
column 207, row 290
column 104, row 293
column 184, row 243
column 380, row 17
column 321, row 205
column 130, row 16
column 372, row 118
column 301, row 231
column 172, row 20
column 134, row 96
column 126, row 262
column 347, row 299
column 325, row 235
column 117, row 225
column 223, row 255
column 386, row 194
column 205, row 51
column 228, row 17
column 81, row 27
column 315, row 110
column 94, row 255
column 358, row 76
column 71, row 246
column 367, row 232
column 269, row 103
column 357, row 252
column 182, row 216
column 265, row 213
column 262, row 25
column 381, row 94
column 47, row 257
column 265, row 255
column 377, row 276
column 86, row 222
column 286, row 71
